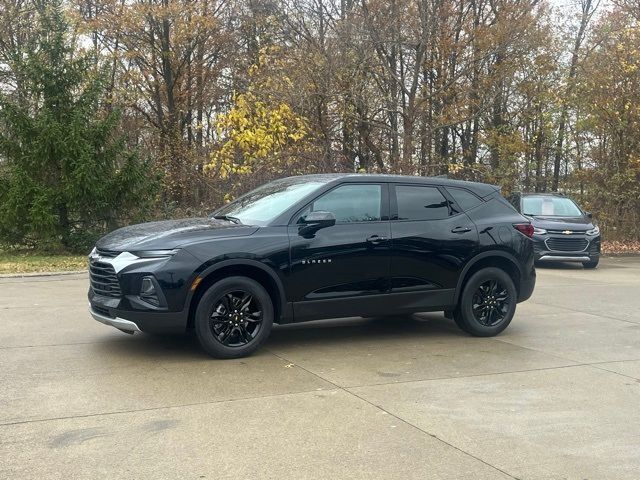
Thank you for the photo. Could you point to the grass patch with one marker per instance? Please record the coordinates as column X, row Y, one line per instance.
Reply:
column 28, row 262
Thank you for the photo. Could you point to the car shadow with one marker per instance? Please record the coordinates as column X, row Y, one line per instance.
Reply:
column 559, row 266
column 345, row 331
column 342, row 331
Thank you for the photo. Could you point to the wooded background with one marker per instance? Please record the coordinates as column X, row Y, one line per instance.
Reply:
column 210, row 98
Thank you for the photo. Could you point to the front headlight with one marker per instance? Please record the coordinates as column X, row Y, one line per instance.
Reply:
column 539, row 231
column 594, row 231
column 155, row 253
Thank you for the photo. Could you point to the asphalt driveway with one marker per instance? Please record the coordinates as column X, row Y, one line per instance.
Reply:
column 555, row 396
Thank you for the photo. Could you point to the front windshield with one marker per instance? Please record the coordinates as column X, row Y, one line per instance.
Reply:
column 550, row 206
column 265, row 203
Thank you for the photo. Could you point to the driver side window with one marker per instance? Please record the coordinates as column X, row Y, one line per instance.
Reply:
column 350, row 203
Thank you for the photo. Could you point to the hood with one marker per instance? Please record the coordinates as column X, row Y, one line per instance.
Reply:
column 579, row 224
column 169, row 234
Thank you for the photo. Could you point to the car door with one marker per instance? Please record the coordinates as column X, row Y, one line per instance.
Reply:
column 337, row 270
column 431, row 241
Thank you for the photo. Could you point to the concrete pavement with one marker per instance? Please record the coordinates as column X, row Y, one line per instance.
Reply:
column 555, row 396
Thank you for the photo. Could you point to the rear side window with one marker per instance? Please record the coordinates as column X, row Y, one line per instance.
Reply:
column 464, row 198
column 421, row 203
column 352, row 203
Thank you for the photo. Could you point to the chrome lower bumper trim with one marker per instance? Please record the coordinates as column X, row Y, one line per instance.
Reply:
column 558, row 258
column 119, row 323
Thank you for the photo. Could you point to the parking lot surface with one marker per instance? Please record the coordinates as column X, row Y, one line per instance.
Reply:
column 556, row 396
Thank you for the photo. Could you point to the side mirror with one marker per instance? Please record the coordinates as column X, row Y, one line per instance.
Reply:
column 589, row 214
column 314, row 221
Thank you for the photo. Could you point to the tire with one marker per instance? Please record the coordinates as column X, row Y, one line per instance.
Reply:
column 225, row 326
column 591, row 263
column 494, row 318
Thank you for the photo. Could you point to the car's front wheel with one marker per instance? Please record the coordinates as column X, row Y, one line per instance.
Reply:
column 593, row 263
column 487, row 303
column 234, row 317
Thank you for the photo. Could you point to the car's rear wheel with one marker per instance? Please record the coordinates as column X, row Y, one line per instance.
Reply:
column 487, row 304
column 593, row 263
column 234, row 317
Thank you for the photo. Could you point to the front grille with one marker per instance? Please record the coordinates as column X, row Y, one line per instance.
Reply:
column 561, row 232
column 107, row 253
column 559, row 244
column 103, row 279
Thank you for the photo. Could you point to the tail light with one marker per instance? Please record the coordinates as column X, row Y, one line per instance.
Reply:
column 524, row 228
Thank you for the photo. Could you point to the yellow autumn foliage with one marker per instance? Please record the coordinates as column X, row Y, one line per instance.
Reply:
column 256, row 131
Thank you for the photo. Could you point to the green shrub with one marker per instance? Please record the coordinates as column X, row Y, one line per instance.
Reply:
column 66, row 174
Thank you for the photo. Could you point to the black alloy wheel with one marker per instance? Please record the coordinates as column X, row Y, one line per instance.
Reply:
column 234, row 317
column 491, row 303
column 487, row 303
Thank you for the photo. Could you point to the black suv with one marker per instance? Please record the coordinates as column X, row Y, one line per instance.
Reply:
column 319, row 246
column 563, row 232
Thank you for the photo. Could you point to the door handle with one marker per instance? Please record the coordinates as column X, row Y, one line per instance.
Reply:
column 460, row 230
column 376, row 239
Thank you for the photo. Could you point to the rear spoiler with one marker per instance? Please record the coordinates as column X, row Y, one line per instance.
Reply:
column 493, row 189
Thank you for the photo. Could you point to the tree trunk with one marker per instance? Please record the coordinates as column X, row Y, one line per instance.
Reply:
column 587, row 13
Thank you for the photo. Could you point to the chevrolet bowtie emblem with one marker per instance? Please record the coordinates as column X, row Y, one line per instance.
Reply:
column 567, row 232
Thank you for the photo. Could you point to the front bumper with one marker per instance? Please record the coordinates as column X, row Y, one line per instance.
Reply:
column 564, row 258
column 115, row 286
column 105, row 310
column 126, row 326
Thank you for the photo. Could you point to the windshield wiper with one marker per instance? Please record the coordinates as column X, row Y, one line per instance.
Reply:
column 228, row 218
